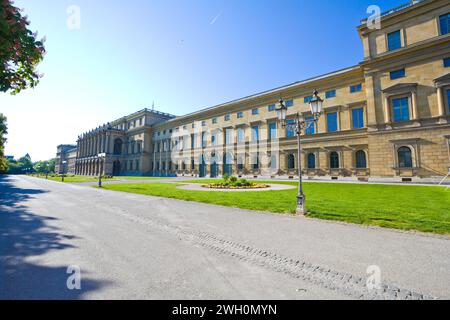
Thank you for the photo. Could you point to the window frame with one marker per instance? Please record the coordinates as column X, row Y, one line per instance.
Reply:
column 397, row 74
column 363, row 117
column 355, row 88
column 357, row 152
column 255, row 111
column 308, row 163
column 270, row 137
column 330, row 94
column 446, row 62
column 338, row 160
column 388, row 43
column 411, row 153
column 328, row 122
column 447, row 15
column 400, row 97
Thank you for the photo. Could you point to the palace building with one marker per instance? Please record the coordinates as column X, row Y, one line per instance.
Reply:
column 385, row 119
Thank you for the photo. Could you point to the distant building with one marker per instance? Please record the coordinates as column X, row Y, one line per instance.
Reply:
column 65, row 159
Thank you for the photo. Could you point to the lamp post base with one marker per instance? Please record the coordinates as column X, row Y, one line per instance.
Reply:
column 301, row 209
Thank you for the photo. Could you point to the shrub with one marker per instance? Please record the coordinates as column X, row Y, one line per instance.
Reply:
column 233, row 179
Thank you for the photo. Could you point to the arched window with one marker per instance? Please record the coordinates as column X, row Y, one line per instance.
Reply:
column 118, row 146
column 291, row 161
column 311, row 161
column 361, row 161
column 334, row 160
column 404, row 157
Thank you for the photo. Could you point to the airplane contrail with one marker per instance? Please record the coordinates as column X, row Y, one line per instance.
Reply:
column 216, row 18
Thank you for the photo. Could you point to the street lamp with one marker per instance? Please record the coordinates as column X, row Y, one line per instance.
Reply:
column 62, row 175
column 298, row 126
column 102, row 156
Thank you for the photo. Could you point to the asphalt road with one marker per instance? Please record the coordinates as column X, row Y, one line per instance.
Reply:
column 130, row 246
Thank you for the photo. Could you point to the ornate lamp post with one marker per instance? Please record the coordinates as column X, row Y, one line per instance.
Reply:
column 62, row 175
column 298, row 126
column 102, row 157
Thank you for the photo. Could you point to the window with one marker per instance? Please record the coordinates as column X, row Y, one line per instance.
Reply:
column 203, row 139
column 400, row 108
column 193, row 125
column 289, row 129
column 291, row 161
column 137, row 165
column 255, row 133
column 192, row 164
column 214, row 139
column 227, row 117
column 332, row 124
column 228, row 136
column 307, row 99
column 311, row 129
column 358, row 118
column 203, row 123
column 117, row 146
column 289, row 103
column 271, row 108
column 334, row 160
column 240, row 163
column 273, row 162
column 255, row 162
column 272, row 131
column 193, row 142
column 330, row 94
column 448, row 100
column 394, row 40
column 397, row 74
column 311, row 161
column 214, row 120
column 356, row 88
column 447, row 62
column 361, row 162
column 404, row 157
column 255, row 111
column 240, row 115
column 444, row 22
column 241, row 135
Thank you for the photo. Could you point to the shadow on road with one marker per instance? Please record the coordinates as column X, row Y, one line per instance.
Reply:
column 25, row 235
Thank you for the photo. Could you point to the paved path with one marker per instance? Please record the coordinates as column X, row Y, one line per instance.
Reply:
column 132, row 246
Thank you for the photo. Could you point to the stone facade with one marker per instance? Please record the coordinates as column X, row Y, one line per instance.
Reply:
column 385, row 119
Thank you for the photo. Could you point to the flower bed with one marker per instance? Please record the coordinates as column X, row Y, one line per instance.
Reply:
column 232, row 183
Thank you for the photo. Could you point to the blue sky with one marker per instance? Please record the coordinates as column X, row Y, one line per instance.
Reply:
column 183, row 54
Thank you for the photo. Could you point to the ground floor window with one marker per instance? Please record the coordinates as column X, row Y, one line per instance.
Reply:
column 334, row 160
column 404, row 157
column 311, row 161
column 361, row 161
column 291, row 161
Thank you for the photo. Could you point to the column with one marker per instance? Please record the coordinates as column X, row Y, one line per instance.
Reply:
column 441, row 104
column 387, row 111
column 415, row 113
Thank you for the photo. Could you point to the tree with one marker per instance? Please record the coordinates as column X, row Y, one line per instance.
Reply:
column 3, row 132
column 45, row 166
column 20, row 51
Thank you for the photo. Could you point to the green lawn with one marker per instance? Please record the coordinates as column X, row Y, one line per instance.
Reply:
column 403, row 207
